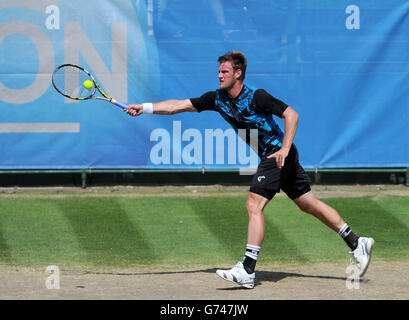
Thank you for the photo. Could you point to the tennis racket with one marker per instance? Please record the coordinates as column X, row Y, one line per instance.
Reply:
column 69, row 79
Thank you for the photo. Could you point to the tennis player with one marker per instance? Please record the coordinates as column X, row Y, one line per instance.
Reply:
column 246, row 107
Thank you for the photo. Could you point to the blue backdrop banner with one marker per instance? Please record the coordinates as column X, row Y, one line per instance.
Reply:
column 344, row 67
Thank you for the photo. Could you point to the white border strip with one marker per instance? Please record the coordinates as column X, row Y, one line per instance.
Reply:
column 44, row 127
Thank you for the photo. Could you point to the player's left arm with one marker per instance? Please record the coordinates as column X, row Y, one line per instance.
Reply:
column 290, row 128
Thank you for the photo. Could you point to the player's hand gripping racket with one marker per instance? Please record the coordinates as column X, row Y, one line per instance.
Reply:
column 76, row 83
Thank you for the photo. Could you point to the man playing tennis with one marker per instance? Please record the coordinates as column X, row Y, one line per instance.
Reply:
column 246, row 107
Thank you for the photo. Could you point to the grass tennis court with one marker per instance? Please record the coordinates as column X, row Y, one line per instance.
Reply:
column 126, row 230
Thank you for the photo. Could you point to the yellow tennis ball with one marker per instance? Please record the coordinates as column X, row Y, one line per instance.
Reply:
column 88, row 84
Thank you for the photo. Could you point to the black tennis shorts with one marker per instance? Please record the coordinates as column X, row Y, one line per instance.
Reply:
column 291, row 178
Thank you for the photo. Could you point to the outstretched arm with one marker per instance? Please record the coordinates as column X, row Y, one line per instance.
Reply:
column 167, row 107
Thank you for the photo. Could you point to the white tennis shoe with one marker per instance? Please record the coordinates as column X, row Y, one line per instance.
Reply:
column 238, row 275
column 362, row 254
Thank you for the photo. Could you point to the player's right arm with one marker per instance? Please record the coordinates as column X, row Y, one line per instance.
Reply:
column 167, row 107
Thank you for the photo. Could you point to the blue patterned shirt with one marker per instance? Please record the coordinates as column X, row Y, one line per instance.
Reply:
column 252, row 109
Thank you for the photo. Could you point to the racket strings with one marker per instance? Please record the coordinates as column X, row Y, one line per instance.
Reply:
column 70, row 82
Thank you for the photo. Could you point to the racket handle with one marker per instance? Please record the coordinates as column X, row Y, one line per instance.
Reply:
column 119, row 104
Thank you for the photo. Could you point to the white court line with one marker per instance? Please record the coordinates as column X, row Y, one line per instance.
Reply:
column 43, row 127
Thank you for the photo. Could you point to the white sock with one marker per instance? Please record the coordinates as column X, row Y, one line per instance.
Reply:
column 252, row 251
column 344, row 231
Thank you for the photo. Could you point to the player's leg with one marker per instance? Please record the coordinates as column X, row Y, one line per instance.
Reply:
column 243, row 272
column 323, row 212
column 361, row 247
column 255, row 230
column 256, row 226
column 327, row 215
column 296, row 184
column 265, row 184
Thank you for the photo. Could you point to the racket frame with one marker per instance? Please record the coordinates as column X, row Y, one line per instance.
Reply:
column 92, row 95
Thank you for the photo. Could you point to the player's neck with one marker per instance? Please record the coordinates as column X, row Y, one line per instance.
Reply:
column 235, row 90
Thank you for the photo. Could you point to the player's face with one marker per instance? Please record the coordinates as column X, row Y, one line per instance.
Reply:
column 227, row 75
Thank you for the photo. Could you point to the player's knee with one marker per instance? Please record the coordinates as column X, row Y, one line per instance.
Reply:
column 249, row 206
column 255, row 204
column 253, row 208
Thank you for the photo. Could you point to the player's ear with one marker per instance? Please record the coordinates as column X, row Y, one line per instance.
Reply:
column 237, row 74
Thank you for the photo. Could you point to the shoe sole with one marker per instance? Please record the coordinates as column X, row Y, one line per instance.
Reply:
column 371, row 242
column 245, row 285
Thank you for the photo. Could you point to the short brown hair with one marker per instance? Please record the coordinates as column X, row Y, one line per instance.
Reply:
column 238, row 61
